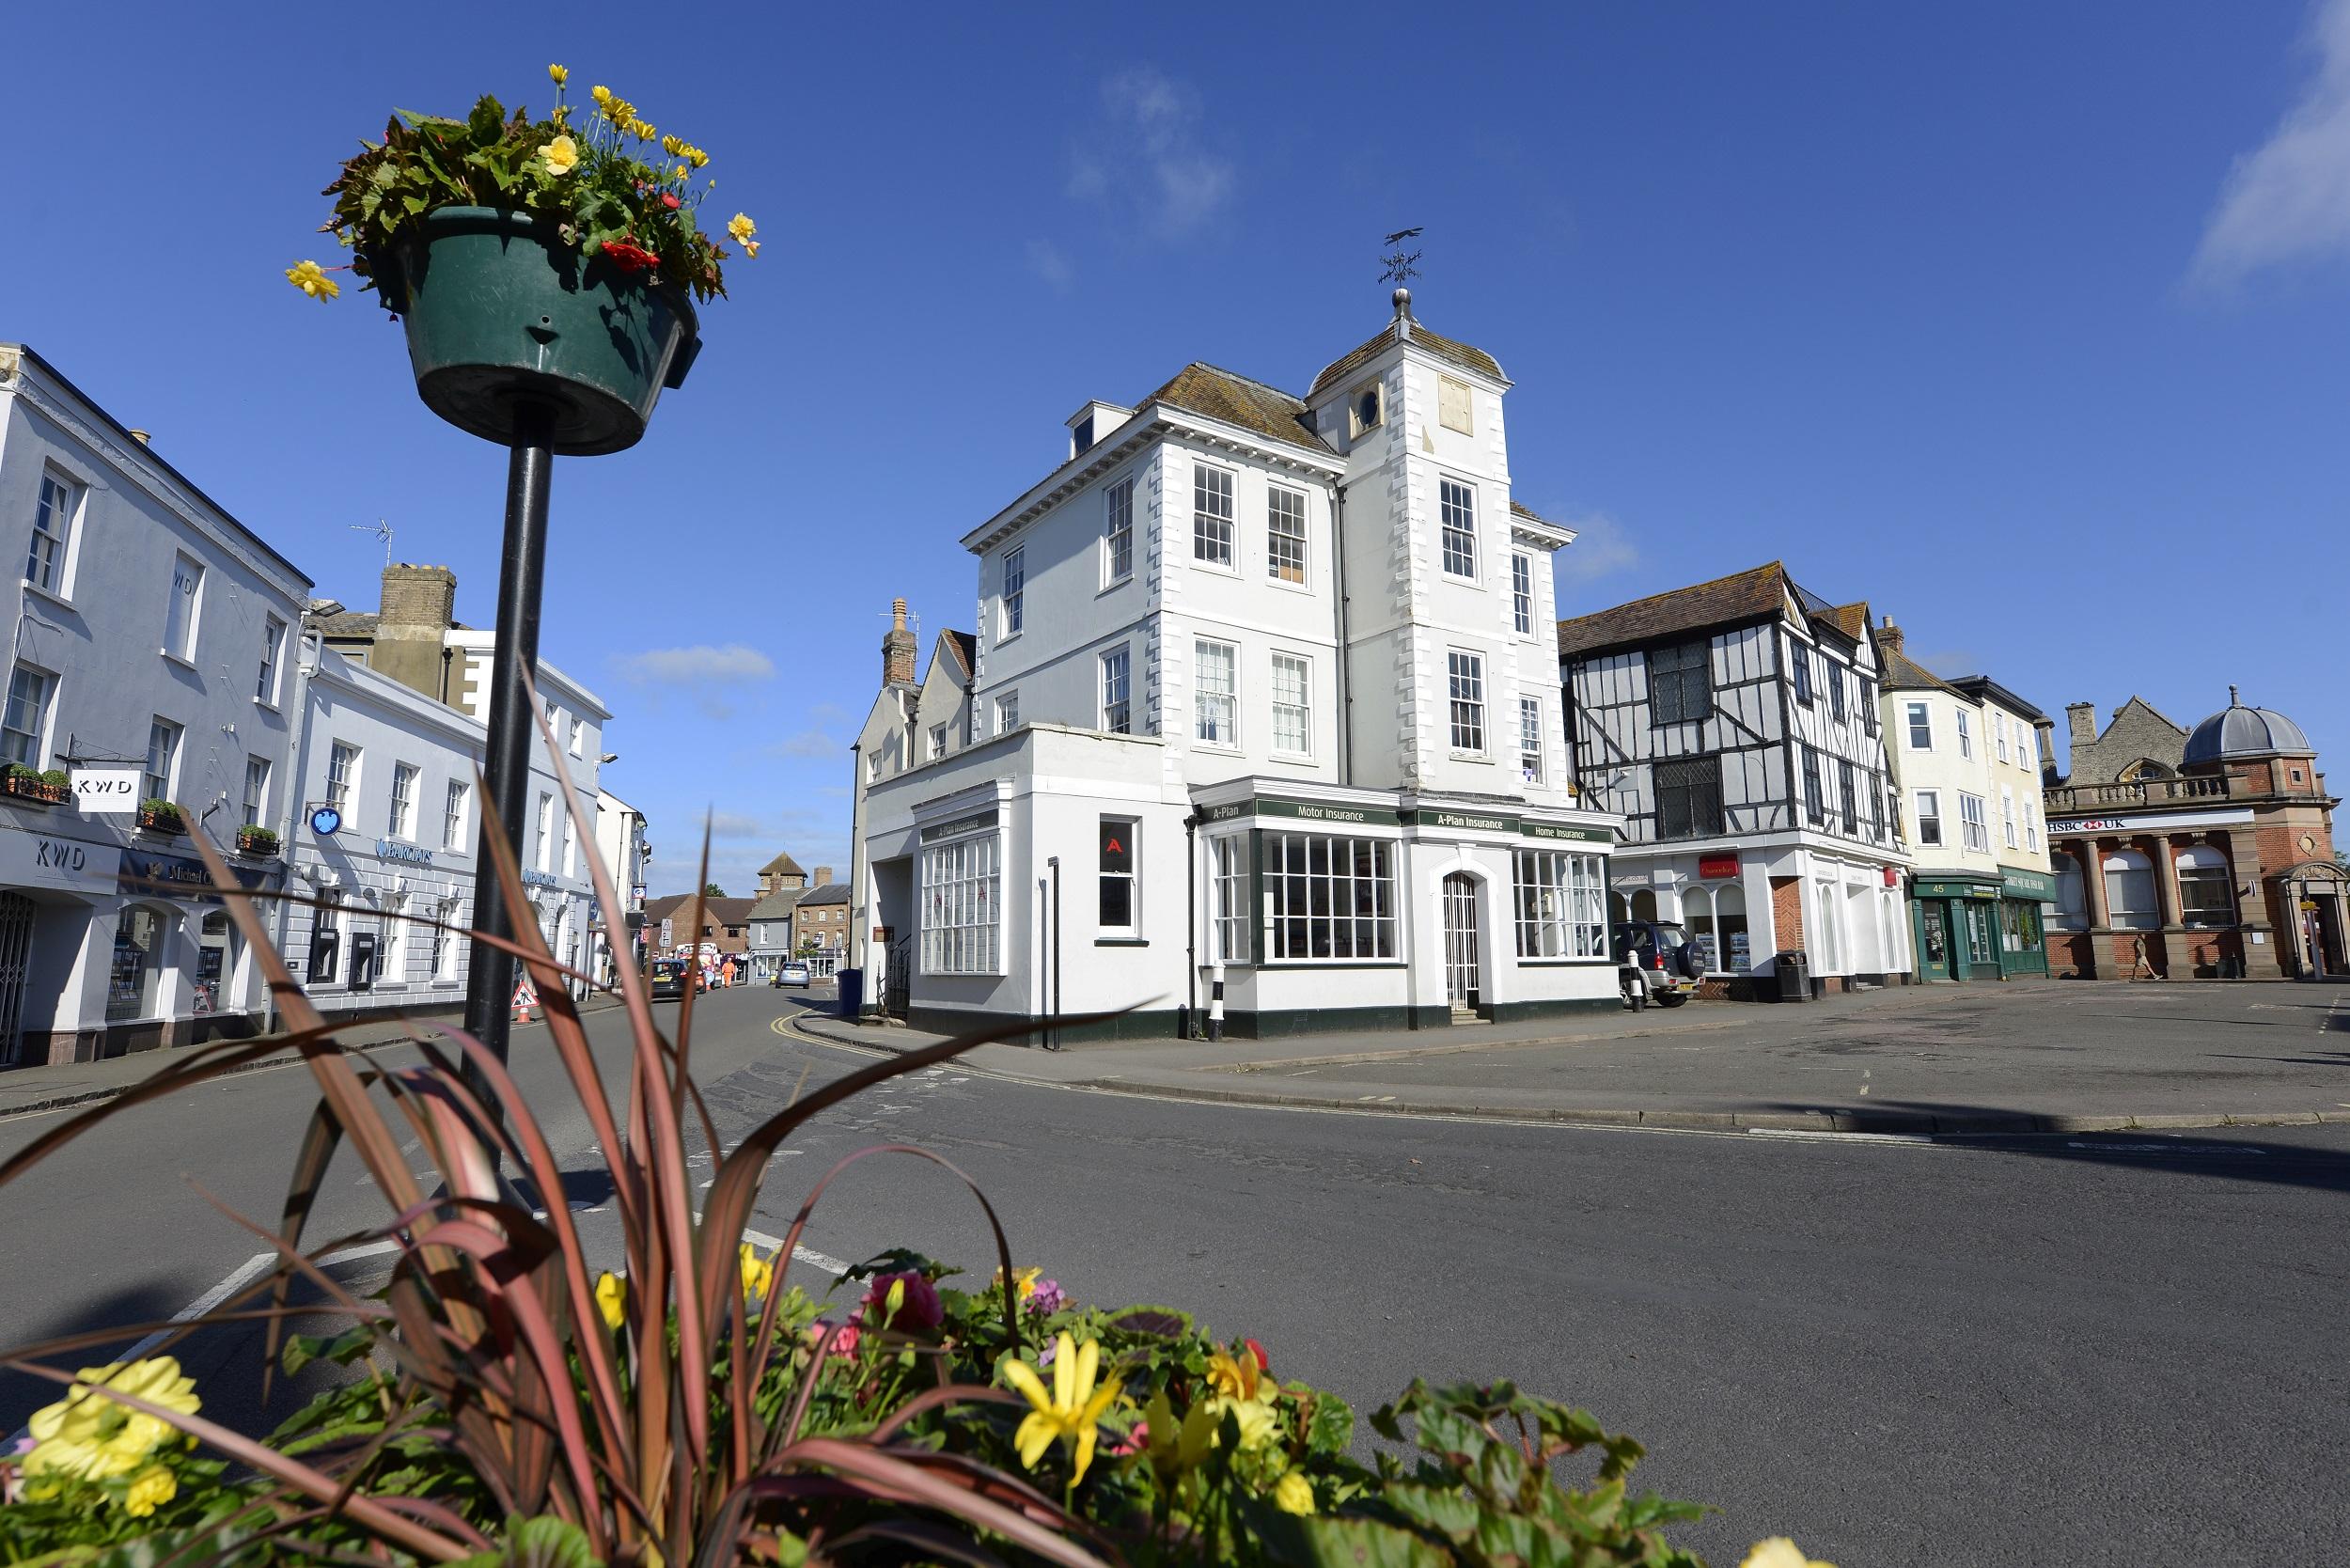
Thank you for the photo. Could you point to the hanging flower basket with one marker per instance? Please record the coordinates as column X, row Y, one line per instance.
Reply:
column 161, row 816
column 260, row 842
column 501, row 313
column 49, row 789
column 544, row 270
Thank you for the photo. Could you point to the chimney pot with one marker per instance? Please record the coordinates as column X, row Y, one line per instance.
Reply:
column 2081, row 719
column 1890, row 635
column 898, row 648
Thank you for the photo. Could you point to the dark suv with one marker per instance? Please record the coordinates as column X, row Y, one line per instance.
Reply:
column 1657, row 962
column 670, row 977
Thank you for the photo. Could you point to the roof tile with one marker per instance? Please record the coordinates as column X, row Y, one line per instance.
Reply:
column 1746, row 596
column 1237, row 401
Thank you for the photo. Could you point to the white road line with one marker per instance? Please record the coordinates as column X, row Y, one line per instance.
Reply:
column 799, row 1254
column 1829, row 1134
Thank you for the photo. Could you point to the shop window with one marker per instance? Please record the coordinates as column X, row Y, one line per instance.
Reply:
column 2130, row 891
column 132, row 982
column 960, row 899
column 1329, row 898
column 2207, row 887
column 1716, row 918
column 1560, row 907
column 2072, row 895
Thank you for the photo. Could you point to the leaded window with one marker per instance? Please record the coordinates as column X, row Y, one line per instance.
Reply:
column 1689, row 797
column 1679, row 686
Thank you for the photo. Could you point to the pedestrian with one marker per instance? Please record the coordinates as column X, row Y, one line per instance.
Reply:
column 2138, row 949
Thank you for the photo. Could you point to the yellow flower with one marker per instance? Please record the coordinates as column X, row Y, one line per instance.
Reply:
column 556, row 74
column 697, row 157
column 1174, row 1449
column 562, row 155
column 740, row 226
column 1293, row 1493
column 1025, row 1278
column 149, row 1488
column 612, row 1299
column 89, row 1436
column 1255, row 1419
column 671, row 146
column 1780, row 1552
column 1073, row 1410
column 683, row 171
column 312, row 281
column 759, row 1275
column 1236, row 1377
column 601, row 93
column 750, row 249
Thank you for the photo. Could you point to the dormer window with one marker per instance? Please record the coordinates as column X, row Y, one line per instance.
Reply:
column 1367, row 410
column 1082, row 442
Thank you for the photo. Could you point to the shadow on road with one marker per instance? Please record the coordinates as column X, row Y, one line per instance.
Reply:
column 2266, row 1155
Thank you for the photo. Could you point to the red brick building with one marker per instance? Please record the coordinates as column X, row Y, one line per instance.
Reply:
column 2207, row 852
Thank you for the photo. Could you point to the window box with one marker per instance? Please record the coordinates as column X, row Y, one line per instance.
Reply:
column 45, row 788
column 161, row 816
column 260, row 841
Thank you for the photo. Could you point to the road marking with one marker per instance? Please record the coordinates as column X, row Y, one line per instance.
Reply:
column 801, row 1254
column 1829, row 1134
column 2228, row 1149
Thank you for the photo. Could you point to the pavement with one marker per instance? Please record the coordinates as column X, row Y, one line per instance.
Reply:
column 2044, row 1057
column 2015, row 1349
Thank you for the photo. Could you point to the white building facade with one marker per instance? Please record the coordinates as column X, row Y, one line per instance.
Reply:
column 382, row 836
column 152, row 647
column 1263, row 700
column 623, row 848
column 1734, row 726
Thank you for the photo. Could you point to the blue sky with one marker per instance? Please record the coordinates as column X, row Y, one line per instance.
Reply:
column 2028, row 324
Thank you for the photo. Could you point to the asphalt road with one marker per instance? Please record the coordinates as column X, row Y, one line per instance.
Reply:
column 2088, row 1350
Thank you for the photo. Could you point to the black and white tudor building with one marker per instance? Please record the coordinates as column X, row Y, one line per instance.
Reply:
column 1734, row 726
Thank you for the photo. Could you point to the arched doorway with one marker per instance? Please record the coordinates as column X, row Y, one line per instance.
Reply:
column 1462, row 979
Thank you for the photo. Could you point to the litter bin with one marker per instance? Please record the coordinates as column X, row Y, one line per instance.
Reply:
column 1793, row 971
column 852, row 992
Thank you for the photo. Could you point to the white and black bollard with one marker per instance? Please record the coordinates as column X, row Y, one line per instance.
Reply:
column 1216, row 1002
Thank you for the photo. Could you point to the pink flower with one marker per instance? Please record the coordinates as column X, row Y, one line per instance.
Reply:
column 916, row 1311
column 1048, row 1297
column 833, row 1339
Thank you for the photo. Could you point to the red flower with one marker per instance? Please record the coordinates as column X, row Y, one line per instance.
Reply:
column 668, row 199
column 1257, row 1350
column 630, row 258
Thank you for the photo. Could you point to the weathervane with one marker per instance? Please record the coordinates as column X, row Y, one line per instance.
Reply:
column 1399, row 261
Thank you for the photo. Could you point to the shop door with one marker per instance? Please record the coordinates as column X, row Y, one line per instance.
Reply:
column 1934, row 949
column 1982, row 936
column 16, row 953
column 1460, row 940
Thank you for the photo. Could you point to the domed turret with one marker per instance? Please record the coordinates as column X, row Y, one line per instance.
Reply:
column 2236, row 731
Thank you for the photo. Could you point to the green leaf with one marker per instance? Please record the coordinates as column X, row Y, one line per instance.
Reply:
column 537, row 1544
column 1340, row 1542
column 487, row 123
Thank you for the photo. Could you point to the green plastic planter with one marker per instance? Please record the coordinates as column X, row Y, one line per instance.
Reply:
column 500, row 312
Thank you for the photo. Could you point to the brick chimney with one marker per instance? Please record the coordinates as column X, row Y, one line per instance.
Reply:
column 2045, row 730
column 823, row 877
column 2082, row 719
column 1889, row 637
column 418, row 605
column 898, row 648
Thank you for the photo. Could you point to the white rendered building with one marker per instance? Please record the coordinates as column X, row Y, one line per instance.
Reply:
column 152, row 653
column 622, row 848
column 1264, row 693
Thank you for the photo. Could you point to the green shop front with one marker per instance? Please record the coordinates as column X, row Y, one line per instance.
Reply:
column 1980, row 926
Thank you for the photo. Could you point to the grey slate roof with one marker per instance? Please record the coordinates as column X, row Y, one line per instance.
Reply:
column 831, row 892
column 2237, row 730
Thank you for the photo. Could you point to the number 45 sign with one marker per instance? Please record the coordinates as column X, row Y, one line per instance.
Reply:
column 106, row 791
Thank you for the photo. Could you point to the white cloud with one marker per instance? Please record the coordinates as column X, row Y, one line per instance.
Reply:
column 735, row 824
column 1147, row 160
column 701, row 662
column 1601, row 547
column 1051, row 266
column 2289, row 199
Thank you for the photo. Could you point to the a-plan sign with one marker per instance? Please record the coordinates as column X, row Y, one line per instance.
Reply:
column 106, row 791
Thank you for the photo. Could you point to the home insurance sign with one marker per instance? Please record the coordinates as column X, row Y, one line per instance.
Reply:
column 106, row 791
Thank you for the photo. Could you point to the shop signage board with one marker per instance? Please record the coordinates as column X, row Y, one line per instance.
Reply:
column 2146, row 822
column 47, row 860
column 1949, row 890
column 392, row 849
column 178, row 876
column 2037, row 886
column 1445, row 819
column 956, row 828
column 1712, row 866
column 105, row 792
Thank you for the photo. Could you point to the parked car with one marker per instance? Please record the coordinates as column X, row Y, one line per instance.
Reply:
column 791, row 972
column 670, row 977
column 1656, row 961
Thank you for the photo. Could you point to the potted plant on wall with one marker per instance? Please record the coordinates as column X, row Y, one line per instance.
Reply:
column 161, row 816
column 261, row 841
column 48, row 789
column 547, row 262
